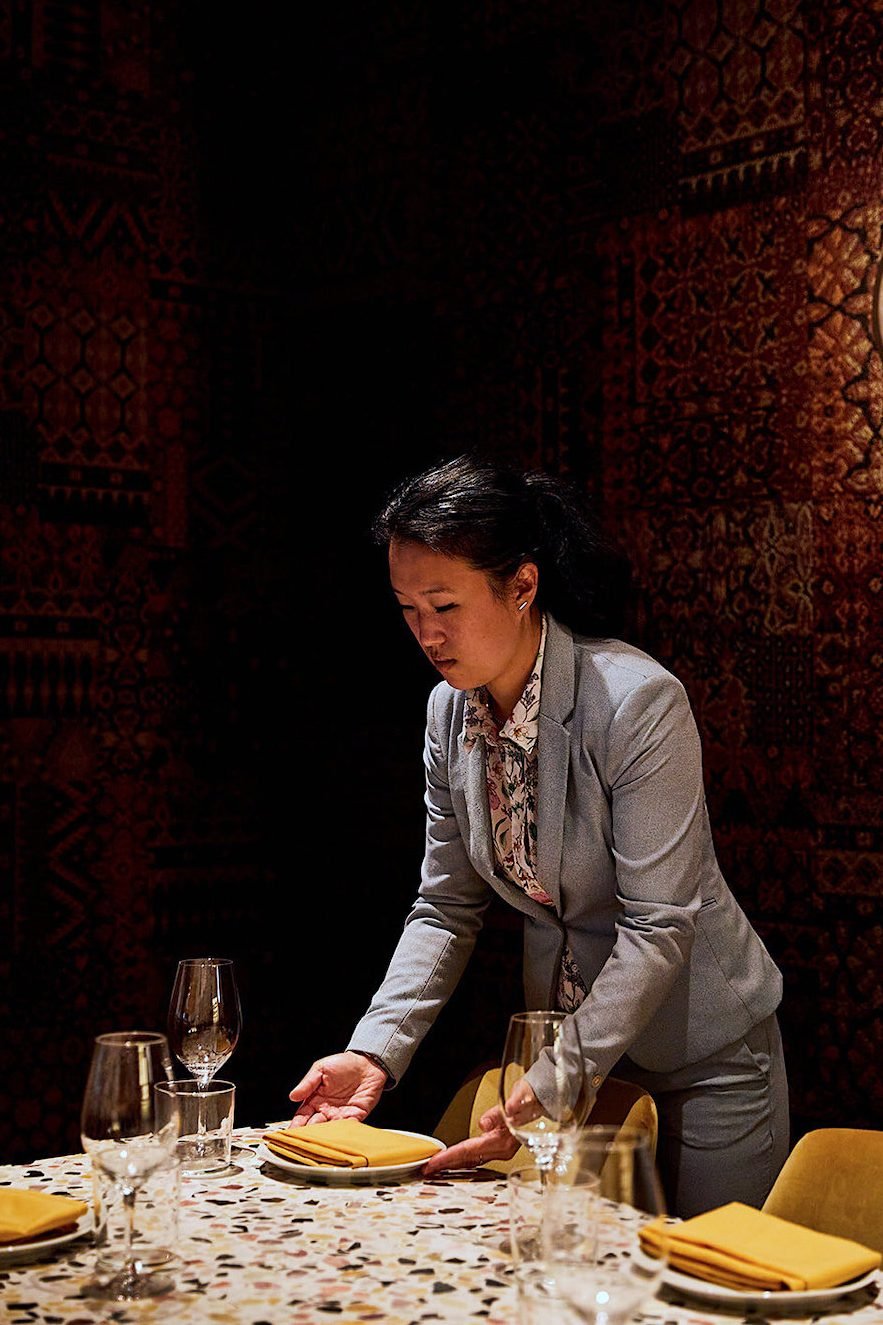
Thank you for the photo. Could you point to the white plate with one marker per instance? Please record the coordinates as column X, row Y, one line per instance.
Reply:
column 758, row 1298
column 36, row 1248
column 337, row 1174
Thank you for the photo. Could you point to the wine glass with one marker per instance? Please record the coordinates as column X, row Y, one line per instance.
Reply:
column 129, row 1130
column 543, row 1095
column 611, row 1286
column 205, row 1017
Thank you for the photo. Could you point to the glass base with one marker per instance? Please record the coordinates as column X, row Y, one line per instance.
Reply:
column 227, row 1171
column 129, row 1285
column 109, row 1263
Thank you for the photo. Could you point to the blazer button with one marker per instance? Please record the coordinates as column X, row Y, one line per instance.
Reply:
column 596, row 1081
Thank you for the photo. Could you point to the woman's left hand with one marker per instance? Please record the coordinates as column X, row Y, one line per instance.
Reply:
column 495, row 1142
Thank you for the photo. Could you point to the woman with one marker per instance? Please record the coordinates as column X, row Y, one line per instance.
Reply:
column 563, row 772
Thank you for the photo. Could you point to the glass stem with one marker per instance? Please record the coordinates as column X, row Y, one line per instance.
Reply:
column 129, row 1194
column 200, row 1116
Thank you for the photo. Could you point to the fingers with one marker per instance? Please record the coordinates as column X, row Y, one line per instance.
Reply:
column 492, row 1120
column 463, row 1155
column 522, row 1105
column 300, row 1093
column 325, row 1113
column 306, row 1112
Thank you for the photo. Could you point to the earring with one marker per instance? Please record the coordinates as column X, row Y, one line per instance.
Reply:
column 522, row 606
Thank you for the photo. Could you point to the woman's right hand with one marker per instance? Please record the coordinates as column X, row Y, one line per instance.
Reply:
column 346, row 1085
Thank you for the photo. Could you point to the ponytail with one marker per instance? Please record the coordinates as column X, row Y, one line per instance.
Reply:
column 585, row 580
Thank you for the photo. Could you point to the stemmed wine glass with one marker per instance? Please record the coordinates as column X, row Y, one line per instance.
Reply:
column 543, row 1094
column 205, row 1017
column 129, row 1129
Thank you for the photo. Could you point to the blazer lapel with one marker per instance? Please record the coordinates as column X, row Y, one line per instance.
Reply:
column 553, row 749
column 475, row 791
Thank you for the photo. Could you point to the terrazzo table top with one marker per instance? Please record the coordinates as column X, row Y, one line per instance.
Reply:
column 264, row 1248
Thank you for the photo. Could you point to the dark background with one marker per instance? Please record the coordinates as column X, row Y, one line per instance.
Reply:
column 254, row 275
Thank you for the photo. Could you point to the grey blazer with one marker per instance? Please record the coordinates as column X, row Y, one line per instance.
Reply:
column 624, row 847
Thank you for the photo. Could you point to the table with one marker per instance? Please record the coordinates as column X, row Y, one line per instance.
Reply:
column 263, row 1248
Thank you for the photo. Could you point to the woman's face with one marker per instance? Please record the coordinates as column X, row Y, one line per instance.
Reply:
column 469, row 633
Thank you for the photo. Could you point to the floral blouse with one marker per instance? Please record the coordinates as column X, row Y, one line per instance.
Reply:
column 512, row 795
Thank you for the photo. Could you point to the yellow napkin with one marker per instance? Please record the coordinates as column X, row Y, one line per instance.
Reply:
column 26, row 1214
column 347, row 1143
column 744, row 1248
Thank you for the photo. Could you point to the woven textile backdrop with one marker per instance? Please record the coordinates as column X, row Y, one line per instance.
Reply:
column 249, row 282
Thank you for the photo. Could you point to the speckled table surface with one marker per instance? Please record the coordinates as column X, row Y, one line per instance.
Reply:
column 262, row 1247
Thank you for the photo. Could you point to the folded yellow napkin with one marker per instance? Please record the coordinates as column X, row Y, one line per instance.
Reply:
column 27, row 1214
column 347, row 1143
column 744, row 1248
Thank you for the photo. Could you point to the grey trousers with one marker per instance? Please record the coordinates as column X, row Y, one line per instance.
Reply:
column 724, row 1123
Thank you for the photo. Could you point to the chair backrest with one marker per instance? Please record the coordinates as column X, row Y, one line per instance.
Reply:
column 618, row 1102
column 833, row 1182
column 622, row 1104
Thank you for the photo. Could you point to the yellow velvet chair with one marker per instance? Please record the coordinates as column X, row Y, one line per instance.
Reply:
column 833, row 1182
column 618, row 1103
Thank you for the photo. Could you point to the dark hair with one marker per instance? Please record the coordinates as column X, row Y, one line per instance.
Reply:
column 496, row 517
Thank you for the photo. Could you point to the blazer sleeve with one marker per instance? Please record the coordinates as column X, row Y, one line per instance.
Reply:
column 440, row 930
